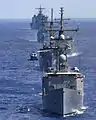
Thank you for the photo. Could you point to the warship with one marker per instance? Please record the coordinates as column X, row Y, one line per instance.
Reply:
column 37, row 19
column 62, row 87
column 38, row 22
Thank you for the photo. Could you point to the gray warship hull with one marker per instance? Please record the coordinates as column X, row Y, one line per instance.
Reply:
column 62, row 96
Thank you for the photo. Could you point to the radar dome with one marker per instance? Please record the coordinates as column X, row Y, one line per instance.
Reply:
column 63, row 57
column 62, row 36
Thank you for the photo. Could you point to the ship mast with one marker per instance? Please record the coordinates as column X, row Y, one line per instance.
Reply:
column 40, row 9
column 60, row 40
column 57, row 41
column 61, row 22
column 51, row 23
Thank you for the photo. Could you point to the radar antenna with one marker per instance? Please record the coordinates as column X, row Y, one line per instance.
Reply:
column 40, row 9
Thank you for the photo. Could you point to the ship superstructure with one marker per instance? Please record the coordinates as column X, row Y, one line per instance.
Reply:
column 45, row 54
column 62, row 87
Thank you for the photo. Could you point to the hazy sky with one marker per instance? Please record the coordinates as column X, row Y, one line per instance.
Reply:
column 26, row 8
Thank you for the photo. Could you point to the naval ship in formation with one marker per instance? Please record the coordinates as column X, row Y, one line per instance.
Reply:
column 62, row 87
column 38, row 22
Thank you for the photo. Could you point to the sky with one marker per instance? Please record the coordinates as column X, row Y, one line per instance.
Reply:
column 19, row 9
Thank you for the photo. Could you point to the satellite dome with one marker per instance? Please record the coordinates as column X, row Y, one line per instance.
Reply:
column 63, row 57
column 62, row 36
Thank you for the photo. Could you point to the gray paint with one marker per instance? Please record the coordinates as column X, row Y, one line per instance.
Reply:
column 62, row 93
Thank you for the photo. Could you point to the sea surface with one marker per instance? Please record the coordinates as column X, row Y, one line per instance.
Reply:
column 20, row 82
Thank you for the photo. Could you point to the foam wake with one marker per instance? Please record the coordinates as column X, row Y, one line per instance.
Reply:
column 74, row 54
column 77, row 111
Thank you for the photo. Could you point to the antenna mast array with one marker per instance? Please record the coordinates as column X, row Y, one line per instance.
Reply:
column 40, row 9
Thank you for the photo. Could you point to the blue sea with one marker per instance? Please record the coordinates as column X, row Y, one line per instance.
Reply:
column 20, row 82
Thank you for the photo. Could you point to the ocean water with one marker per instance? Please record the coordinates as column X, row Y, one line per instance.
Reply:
column 20, row 82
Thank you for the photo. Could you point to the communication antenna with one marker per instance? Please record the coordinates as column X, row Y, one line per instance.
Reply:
column 40, row 9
